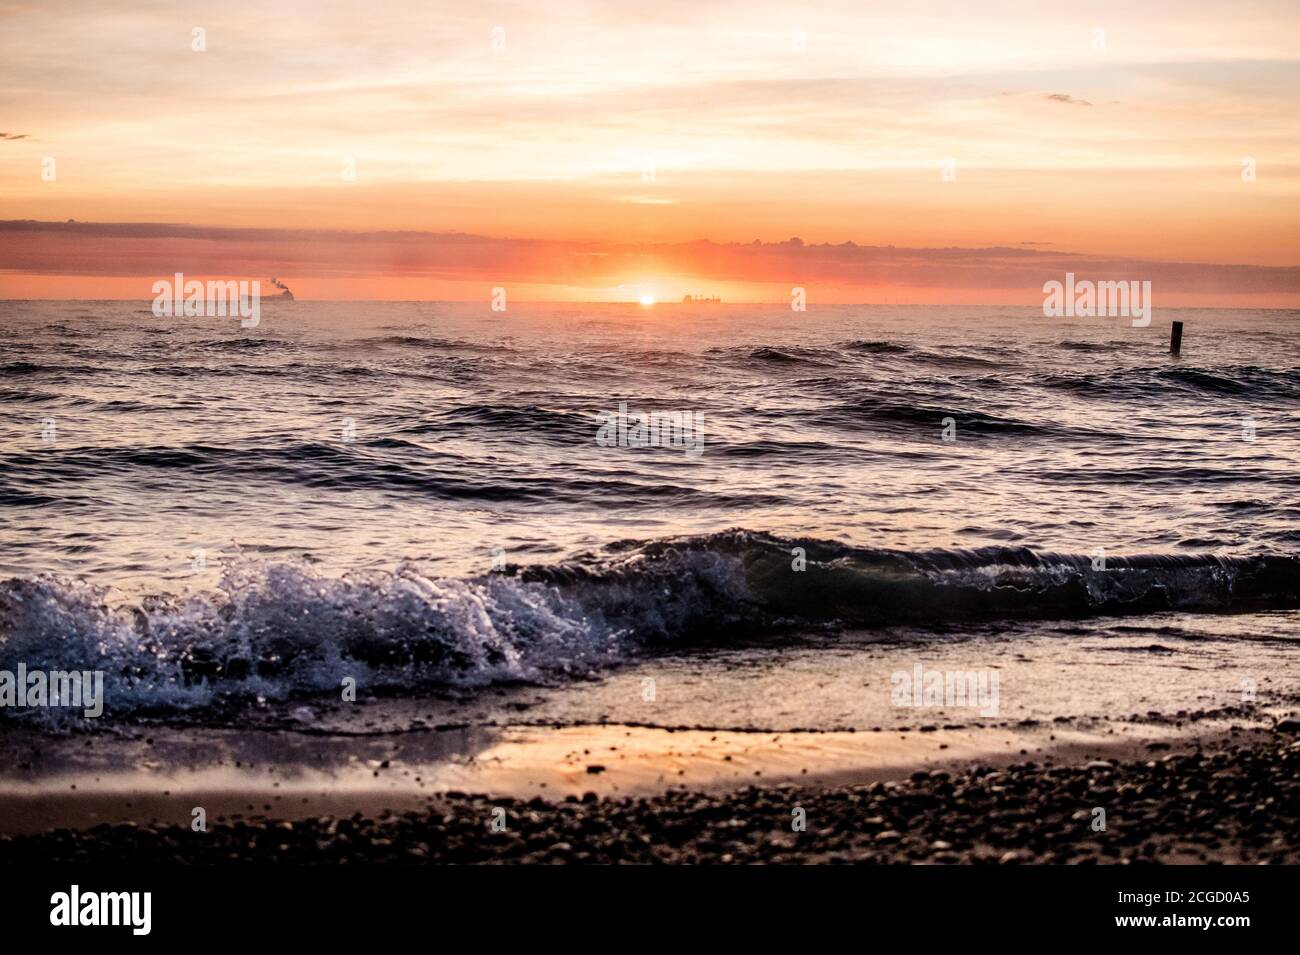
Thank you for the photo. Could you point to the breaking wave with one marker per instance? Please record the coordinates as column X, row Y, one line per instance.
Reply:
column 277, row 631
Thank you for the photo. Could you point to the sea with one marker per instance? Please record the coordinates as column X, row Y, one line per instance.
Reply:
column 677, row 515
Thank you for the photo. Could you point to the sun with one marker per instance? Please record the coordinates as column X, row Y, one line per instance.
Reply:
column 647, row 300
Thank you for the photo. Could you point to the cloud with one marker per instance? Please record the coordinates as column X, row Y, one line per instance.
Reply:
column 1067, row 98
column 155, row 249
column 12, row 136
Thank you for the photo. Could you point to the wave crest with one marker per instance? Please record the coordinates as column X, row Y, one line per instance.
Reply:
column 280, row 630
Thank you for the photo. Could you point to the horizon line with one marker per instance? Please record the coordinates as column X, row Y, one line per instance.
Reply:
column 670, row 302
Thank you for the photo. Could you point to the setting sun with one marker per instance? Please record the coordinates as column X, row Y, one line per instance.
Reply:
column 647, row 300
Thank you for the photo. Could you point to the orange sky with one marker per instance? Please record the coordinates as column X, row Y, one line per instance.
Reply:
column 590, row 146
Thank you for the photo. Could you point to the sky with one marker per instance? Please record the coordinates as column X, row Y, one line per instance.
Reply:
column 931, row 151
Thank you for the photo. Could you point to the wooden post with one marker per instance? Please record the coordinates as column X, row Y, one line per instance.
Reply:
column 1176, row 338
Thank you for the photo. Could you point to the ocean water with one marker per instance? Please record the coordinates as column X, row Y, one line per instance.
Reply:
column 414, row 494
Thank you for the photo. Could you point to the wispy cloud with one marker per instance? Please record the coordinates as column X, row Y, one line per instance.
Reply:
column 1066, row 98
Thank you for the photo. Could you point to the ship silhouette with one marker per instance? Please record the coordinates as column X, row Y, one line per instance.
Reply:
column 701, row 300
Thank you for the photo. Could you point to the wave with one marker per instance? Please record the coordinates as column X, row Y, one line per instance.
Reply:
column 384, row 464
column 874, row 347
column 1095, row 346
column 17, row 497
column 439, row 344
column 957, row 360
column 1244, row 381
column 792, row 355
column 275, row 631
column 767, row 356
column 869, row 409
column 853, row 351
column 873, row 586
column 21, row 396
column 525, row 419
column 41, row 368
column 1155, row 476
column 243, row 344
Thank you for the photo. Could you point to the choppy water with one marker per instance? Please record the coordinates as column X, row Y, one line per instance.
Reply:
column 204, row 510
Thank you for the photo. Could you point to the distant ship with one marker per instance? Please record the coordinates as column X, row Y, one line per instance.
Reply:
column 701, row 300
column 285, row 295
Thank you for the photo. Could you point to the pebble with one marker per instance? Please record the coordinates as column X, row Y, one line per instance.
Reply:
column 1236, row 802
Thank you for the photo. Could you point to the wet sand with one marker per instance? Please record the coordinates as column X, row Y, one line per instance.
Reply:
column 1233, row 797
column 405, row 791
column 160, row 779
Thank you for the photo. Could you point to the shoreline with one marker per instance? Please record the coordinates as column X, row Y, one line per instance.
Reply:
column 533, row 777
column 272, row 775
column 1232, row 799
